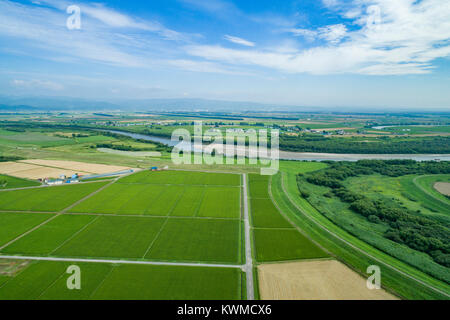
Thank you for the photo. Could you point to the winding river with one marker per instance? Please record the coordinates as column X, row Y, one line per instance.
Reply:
column 305, row 156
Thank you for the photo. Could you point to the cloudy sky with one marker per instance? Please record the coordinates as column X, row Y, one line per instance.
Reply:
column 355, row 53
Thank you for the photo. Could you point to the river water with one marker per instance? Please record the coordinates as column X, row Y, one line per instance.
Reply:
column 303, row 156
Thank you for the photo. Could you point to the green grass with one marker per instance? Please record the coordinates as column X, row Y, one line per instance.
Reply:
column 189, row 202
column 371, row 233
column 113, row 237
column 13, row 225
column 7, row 182
column 405, row 191
column 48, row 237
column 221, row 202
column 43, row 140
column 275, row 239
column 136, row 199
column 159, row 200
column 426, row 184
column 184, row 178
column 198, row 240
column 202, row 225
column 258, row 188
column 51, row 199
column 296, row 167
column 263, row 212
column 418, row 129
column 308, row 219
column 47, row 281
column 33, row 138
column 177, row 239
column 281, row 245
column 266, row 215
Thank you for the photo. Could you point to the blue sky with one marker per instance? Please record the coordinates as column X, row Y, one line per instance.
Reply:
column 352, row 53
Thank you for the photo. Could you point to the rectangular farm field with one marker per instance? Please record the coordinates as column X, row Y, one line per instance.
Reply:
column 183, row 177
column 13, row 225
column 47, row 281
column 280, row 245
column 199, row 240
column 48, row 199
column 266, row 215
column 132, row 199
column 221, row 202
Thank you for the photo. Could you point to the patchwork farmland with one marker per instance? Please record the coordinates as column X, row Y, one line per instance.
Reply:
column 275, row 239
column 159, row 235
column 290, row 266
column 150, row 235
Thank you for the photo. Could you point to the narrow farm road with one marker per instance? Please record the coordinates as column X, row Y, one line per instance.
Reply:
column 152, row 263
column 248, row 244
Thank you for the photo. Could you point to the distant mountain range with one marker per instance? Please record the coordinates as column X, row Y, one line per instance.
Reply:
column 50, row 104
column 68, row 104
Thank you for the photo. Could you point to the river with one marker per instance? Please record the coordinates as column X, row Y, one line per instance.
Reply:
column 304, row 156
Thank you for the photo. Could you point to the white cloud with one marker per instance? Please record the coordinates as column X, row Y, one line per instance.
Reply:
column 330, row 3
column 405, row 39
column 333, row 33
column 240, row 41
column 309, row 35
column 38, row 84
column 205, row 67
column 105, row 36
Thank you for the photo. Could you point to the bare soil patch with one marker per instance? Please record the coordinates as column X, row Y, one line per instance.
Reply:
column 10, row 268
column 315, row 280
column 443, row 187
column 10, row 167
column 46, row 172
column 77, row 166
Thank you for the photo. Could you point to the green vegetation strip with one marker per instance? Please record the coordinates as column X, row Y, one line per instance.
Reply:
column 275, row 239
column 7, row 182
column 405, row 280
column 13, row 225
column 46, row 199
column 47, row 281
column 112, row 237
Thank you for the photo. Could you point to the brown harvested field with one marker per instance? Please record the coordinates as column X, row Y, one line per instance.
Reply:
column 443, row 187
column 46, row 172
column 77, row 166
column 315, row 280
column 10, row 167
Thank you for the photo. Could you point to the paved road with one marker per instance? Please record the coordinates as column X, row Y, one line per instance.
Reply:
column 355, row 247
column 248, row 268
column 153, row 263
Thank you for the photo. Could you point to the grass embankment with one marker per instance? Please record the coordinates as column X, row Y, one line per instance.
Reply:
column 314, row 224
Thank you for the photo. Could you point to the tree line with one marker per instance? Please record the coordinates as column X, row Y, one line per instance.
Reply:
column 405, row 226
column 383, row 145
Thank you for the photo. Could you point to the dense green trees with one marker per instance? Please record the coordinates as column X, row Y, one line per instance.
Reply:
column 6, row 159
column 405, row 226
column 382, row 145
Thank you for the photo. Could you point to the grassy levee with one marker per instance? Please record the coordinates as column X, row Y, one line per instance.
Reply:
column 426, row 185
column 310, row 221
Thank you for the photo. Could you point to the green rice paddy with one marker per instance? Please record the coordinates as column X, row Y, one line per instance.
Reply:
column 47, row 281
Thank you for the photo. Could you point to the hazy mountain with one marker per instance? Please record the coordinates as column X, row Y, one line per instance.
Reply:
column 43, row 104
